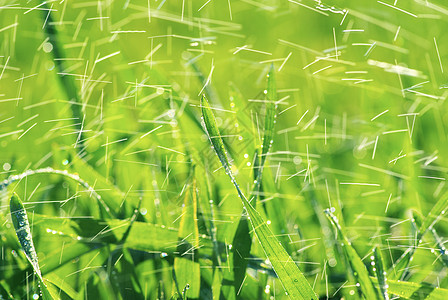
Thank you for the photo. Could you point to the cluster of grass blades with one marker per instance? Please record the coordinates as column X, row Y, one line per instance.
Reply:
column 187, row 252
column 105, row 133
column 292, row 279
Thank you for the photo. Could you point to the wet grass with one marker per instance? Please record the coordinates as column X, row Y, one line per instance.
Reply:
column 223, row 150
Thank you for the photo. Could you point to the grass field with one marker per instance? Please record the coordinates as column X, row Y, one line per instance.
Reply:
column 223, row 149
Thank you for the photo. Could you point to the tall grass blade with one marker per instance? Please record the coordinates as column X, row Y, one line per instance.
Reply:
column 67, row 82
column 186, row 266
column 420, row 226
column 5, row 291
column 271, row 114
column 242, row 240
column 292, row 279
column 359, row 269
column 23, row 231
column 380, row 273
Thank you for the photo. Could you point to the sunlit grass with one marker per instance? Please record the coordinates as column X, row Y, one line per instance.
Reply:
column 120, row 120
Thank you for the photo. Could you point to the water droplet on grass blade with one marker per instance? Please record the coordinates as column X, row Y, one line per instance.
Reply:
column 6, row 166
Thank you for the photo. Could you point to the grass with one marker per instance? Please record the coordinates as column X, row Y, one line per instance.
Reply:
column 223, row 149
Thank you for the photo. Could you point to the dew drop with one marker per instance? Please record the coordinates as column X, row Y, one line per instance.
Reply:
column 47, row 47
column 171, row 113
column 6, row 166
column 159, row 91
column 267, row 289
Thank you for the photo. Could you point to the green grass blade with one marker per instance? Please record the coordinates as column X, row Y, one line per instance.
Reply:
column 67, row 82
column 239, row 106
column 242, row 240
column 359, row 269
column 5, row 291
column 96, row 232
column 214, row 135
column 436, row 213
column 74, row 250
column 294, row 282
column 271, row 114
column 186, row 266
column 23, row 231
column 61, row 284
column 380, row 273
column 401, row 266
column 412, row 290
column 75, row 177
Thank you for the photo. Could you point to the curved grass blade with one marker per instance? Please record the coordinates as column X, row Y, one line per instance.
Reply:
column 401, row 267
column 380, row 273
column 412, row 290
column 14, row 178
column 422, row 226
column 271, row 114
column 186, row 266
column 67, row 82
column 23, row 231
column 214, row 135
column 61, row 284
column 5, row 291
column 292, row 279
column 204, row 81
column 358, row 267
column 436, row 213
column 245, row 125
column 96, row 232
column 242, row 240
